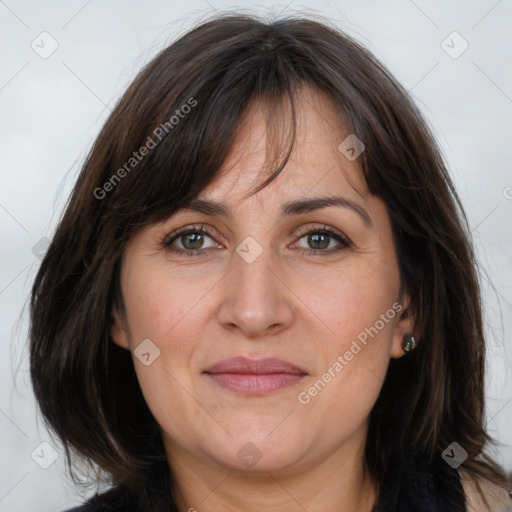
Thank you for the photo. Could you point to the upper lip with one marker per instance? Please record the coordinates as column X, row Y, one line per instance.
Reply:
column 254, row 366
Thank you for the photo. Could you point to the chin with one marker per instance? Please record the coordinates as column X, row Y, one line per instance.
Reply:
column 257, row 448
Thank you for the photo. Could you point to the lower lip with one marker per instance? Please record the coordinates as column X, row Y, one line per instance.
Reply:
column 255, row 384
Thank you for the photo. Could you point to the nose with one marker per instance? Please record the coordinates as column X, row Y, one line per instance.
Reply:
column 256, row 300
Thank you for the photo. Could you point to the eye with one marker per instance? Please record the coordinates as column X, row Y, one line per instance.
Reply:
column 190, row 238
column 191, row 241
column 320, row 239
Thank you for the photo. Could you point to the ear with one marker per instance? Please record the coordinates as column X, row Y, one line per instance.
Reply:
column 405, row 324
column 119, row 331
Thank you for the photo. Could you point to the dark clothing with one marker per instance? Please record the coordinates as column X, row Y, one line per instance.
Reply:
column 109, row 501
column 429, row 501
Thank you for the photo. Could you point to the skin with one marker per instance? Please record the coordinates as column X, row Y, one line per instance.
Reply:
column 305, row 309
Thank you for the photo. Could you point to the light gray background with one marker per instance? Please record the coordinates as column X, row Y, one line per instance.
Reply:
column 51, row 110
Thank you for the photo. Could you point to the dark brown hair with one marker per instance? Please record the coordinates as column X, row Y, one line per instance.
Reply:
column 86, row 386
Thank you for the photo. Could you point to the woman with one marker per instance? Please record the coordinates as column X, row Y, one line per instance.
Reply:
column 262, row 294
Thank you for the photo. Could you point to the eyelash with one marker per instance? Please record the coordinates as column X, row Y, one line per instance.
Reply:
column 325, row 230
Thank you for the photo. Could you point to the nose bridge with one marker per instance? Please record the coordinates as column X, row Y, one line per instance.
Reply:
column 253, row 276
column 254, row 299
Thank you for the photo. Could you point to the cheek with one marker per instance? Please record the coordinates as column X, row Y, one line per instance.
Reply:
column 166, row 310
column 359, row 309
column 163, row 308
column 354, row 302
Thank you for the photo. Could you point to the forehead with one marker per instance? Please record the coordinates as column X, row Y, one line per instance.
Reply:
column 316, row 165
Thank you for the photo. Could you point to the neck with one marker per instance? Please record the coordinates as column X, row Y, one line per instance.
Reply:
column 336, row 482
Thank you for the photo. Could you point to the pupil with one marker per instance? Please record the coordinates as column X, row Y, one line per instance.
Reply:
column 192, row 236
column 316, row 237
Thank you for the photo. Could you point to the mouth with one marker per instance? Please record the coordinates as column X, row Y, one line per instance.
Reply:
column 254, row 377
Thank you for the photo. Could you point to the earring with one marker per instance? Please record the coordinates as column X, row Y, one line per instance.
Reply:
column 409, row 343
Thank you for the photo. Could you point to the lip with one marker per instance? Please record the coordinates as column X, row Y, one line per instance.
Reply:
column 254, row 376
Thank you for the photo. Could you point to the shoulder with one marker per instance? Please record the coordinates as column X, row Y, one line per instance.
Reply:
column 497, row 498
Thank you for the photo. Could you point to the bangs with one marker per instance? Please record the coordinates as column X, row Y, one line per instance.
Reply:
column 185, row 118
column 183, row 159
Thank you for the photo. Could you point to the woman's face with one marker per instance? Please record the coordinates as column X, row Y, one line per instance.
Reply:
column 269, row 282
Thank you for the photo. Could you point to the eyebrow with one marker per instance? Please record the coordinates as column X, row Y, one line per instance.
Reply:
column 296, row 207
